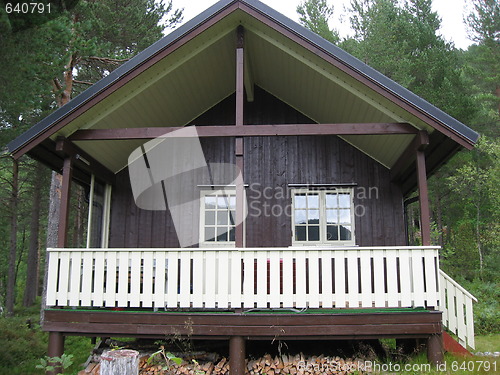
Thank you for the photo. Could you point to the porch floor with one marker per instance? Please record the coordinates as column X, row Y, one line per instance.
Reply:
column 327, row 324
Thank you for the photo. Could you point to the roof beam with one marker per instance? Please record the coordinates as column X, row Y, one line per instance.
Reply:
column 68, row 148
column 420, row 143
column 248, row 131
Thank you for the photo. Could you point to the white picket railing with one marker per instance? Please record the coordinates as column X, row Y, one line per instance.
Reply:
column 456, row 305
column 224, row 278
column 250, row 278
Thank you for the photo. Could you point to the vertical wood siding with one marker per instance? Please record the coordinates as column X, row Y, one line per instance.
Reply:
column 271, row 163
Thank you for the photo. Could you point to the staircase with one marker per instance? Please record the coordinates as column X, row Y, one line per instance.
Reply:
column 456, row 305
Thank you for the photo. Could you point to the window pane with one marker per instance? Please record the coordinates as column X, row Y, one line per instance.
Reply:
column 332, row 233
column 222, row 201
column 313, row 216
column 344, row 201
column 232, row 202
column 300, row 233
column 331, row 200
column 231, row 234
column 313, row 233
column 313, row 201
column 331, row 217
column 209, row 234
column 345, row 233
column 300, row 201
column 210, row 202
column 300, row 216
column 221, row 234
column 345, row 216
column 209, row 217
column 222, row 217
column 232, row 217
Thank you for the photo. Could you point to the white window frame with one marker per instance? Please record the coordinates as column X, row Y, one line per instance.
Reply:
column 202, row 241
column 322, row 192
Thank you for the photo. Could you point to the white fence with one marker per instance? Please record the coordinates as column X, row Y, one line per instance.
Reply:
column 456, row 305
column 305, row 277
column 248, row 278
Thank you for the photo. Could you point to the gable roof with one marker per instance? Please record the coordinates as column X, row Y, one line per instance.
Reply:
column 192, row 69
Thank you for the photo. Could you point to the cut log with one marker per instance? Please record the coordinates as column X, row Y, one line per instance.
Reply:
column 120, row 362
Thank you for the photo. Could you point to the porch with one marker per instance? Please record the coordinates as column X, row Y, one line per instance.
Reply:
column 231, row 283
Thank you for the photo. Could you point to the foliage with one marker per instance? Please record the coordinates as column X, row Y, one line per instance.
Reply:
column 22, row 344
column 314, row 15
column 400, row 40
column 51, row 363
column 166, row 357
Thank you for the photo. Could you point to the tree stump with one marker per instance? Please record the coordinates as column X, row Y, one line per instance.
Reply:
column 120, row 362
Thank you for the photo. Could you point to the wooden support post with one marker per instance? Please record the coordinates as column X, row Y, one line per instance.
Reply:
column 435, row 349
column 240, row 196
column 62, row 232
column 55, row 349
column 237, row 363
column 239, row 149
column 423, row 194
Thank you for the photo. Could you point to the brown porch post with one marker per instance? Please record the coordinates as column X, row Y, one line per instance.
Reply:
column 237, row 363
column 239, row 149
column 435, row 349
column 62, row 232
column 56, row 349
column 423, row 193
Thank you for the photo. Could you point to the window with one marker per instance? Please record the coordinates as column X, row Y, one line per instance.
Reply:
column 217, row 218
column 323, row 216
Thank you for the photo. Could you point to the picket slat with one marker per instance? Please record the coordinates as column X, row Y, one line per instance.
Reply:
column 392, row 280
column 86, row 295
column 288, row 296
column 223, row 280
column 52, row 276
column 300, row 296
column 366, row 279
column 75, row 279
column 340, row 294
column 147, row 279
column 110, row 293
column 274, row 279
column 313, row 296
column 378, row 271
column 123, row 279
column 405, row 278
column 326, row 279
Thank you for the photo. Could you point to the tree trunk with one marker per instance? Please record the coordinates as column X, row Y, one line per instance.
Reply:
column 52, row 226
column 78, row 224
column 439, row 218
column 14, row 197
column 120, row 362
column 31, row 289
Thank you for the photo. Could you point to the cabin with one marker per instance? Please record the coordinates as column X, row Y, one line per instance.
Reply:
column 248, row 180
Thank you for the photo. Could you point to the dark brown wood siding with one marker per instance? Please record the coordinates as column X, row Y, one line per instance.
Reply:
column 271, row 164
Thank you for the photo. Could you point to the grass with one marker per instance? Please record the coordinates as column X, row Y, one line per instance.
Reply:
column 488, row 343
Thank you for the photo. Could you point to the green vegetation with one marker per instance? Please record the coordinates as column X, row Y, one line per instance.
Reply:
column 24, row 345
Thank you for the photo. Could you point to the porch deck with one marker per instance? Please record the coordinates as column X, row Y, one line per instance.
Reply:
column 334, row 284
column 311, row 325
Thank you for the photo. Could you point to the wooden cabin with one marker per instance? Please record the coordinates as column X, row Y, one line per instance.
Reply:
column 306, row 240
